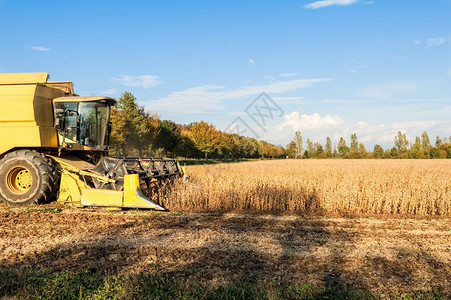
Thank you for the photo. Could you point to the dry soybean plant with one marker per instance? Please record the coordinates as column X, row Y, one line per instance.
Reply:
column 318, row 187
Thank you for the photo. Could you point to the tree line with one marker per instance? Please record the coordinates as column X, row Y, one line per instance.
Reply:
column 136, row 132
column 403, row 148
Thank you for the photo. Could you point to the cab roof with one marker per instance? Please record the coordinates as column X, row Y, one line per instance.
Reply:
column 108, row 100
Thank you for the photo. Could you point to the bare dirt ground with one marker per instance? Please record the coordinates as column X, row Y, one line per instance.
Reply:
column 380, row 255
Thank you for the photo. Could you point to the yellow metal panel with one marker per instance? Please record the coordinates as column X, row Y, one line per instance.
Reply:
column 94, row 197
column 69, row 192
column 72, row 162
column 133, row 196
column 21, row 78
column 48, row 137
column 42, row 104
column 18, row 136
column 26, row 114
column 17, row 103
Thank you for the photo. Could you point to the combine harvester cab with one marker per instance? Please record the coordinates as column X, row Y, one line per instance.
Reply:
column 56, row 142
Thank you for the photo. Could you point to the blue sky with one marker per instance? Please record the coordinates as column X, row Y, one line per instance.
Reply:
column 370, row 67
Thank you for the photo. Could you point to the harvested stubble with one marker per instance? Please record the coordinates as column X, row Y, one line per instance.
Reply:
column 318, row 187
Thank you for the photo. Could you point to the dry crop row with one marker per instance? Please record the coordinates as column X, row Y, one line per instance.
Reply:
column 318, row 187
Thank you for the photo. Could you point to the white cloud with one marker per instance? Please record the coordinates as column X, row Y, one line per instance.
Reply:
column 110, row 92
column 144, row 81
column 317, row 127
column 326, row 3
column 288, row 74
column 385, row 134
column 206, row 98
column 362, row 123
column 313, row 121
column 251, row 61
column 311, row 125
column 432, row 42
column 429, row 43
column 39, row 48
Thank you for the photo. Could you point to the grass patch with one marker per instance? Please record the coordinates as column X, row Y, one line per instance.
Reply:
column 30, row 284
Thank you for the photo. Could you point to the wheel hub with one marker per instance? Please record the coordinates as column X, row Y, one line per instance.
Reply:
column 19, row 180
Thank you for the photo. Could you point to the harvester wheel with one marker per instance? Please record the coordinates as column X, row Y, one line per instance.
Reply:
column 27, row 176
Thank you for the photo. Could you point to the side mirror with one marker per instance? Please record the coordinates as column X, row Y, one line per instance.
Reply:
column 59, row 118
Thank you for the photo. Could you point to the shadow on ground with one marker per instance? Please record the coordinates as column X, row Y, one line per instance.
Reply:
column 113, row 265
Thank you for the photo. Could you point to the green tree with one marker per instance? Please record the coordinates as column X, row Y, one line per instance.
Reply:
column 187, row 148
column 401, row 142
column 310, row 148
column 291, row 149
column 354, row 148
column 438, row 142
column 448, row 150
column 169, row 136
column 135, row 130
column 362, row 151
column 298, row 142
column 228, row 145
column 354, row 143
column 319, row 150
column 416, row 151
column 394, row 153
column 378, row 152
column 343, row 149
column 425, row 141
column 328, row 147
column 434, row 153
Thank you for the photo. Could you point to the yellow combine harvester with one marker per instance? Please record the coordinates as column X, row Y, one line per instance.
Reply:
column 55, row 143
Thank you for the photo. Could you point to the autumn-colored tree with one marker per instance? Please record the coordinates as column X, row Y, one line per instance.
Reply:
column 117, row 137
column 205, row 137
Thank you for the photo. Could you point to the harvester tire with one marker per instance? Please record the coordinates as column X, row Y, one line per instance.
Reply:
column 26, row 177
